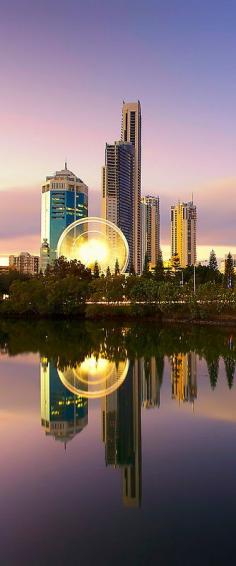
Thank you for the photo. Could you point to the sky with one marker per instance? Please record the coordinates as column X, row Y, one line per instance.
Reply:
column 65, row 68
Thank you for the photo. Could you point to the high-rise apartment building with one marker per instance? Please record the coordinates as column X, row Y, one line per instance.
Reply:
column 183, row 233
column 64, row 200
column 184, row 377
column 121, row 433
column 151, row 380
column 131, row 132
column 150, row 229
column 25, row 263
column 117, row 188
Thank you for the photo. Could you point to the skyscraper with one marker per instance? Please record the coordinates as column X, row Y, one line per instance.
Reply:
column 121, row 433
column 131, row 132
column 64, row 200
column 117, row 188
column 184, row 377
column 150, row 229
column 151, row 380
column 183, row 232
column 63, row 414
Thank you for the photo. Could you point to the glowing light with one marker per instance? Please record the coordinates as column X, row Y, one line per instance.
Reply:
column 4, row 261
column 93, row 240
column 93, row 249
column 95, row 377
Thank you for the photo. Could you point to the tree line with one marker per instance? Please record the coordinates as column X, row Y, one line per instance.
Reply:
column 68, row 285
column 67, row 343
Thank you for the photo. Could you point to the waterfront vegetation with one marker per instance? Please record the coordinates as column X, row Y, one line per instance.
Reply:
column 70, row 289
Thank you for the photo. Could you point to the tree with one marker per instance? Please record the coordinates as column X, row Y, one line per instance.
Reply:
column 213, row 368
column 159, row 268
column 175, row 262
column 213, row 261
column 144, row 290
column 229, row 272
column 160, row 367
column 96, row 270
column 229, row 369
column 62, row 268
column 115, row 289
column 67, row 295
column 108, row 272
column 117, row 268
column 146, row 271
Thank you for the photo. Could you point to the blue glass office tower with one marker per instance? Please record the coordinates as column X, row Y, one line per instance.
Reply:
column 63, row 414
column 64, row 200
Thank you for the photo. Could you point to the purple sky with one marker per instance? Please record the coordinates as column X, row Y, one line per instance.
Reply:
column 66, row 66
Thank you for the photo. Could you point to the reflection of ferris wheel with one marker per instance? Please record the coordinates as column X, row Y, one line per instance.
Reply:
column 94, row 377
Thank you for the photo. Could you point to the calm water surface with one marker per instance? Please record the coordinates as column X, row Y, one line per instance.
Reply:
column 118, row 444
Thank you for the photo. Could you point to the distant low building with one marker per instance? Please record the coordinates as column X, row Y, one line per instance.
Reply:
column 25, row 263
column 4, row 269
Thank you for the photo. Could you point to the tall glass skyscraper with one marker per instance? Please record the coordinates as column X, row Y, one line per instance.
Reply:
column 117, row 188
column 131, row 132
column 64, row 200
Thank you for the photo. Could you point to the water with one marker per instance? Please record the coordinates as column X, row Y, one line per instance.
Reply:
column 144, row 475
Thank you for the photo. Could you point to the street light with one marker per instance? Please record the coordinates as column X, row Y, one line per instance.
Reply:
column 194, row 278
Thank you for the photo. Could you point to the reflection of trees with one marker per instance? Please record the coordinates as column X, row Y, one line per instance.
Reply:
column 160, row 367
column 68, row 342
column 213, row 368
column 229, row 370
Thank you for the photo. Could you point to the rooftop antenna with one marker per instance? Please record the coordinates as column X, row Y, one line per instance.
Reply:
column 66, row 163
column 192, row 198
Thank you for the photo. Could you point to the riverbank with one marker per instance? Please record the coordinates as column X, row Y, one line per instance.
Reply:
column 168, row 313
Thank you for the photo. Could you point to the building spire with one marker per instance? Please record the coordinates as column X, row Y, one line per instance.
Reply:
column 66, row 163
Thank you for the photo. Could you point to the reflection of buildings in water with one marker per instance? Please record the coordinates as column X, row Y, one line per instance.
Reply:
column 63, row 414
column 151, row 379
column 95, row 377
column 121, row 430
column 184, row 377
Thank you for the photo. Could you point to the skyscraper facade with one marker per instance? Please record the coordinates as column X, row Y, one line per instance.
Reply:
column 183, row 233
column 63, row 414
column 117, row 188
column 121, row 433
column 184, row 377
column 64, row 200
column 151, row 380
column 131, row 132
column 150, row 229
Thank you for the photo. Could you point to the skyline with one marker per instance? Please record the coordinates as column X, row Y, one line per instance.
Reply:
column 183, row 71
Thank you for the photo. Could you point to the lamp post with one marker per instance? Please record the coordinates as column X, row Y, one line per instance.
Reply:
column 194, row 278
